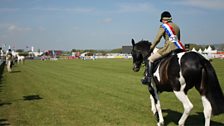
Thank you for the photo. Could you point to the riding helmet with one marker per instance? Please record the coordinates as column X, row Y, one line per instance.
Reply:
column 165, row 15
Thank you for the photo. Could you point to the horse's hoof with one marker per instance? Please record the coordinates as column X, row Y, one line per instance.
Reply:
column 160, row 124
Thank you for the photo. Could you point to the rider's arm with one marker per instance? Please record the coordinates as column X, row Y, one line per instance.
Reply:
column 158, row 37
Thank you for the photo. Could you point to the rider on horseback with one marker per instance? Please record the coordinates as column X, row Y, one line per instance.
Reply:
column 9, row 58
column 171, row 33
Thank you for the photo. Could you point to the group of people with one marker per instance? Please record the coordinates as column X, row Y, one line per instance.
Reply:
column 8, row 58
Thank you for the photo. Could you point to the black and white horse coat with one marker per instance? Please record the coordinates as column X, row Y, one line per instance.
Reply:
column 179, row 73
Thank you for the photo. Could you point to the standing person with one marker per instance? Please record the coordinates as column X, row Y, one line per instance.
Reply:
column 9, row 59
column 1, row 53
column 171, row 33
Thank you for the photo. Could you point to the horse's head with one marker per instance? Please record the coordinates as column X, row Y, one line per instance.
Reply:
column 140, row 51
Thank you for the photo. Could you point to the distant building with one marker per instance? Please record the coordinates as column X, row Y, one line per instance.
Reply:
column 187, row 47
column 126, row 49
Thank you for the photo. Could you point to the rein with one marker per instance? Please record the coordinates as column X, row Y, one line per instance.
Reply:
column 145, row 58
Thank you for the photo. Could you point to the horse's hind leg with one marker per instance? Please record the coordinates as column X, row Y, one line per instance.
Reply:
column 186, row 104
column 207, row 110
column 205, row 102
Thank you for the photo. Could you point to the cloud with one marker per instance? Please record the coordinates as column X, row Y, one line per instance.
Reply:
column 15, row 28
column 5, row 10
column 82, row 10
column 77, row 9
column 136, row 7
column 76, row 28
column 107, row 20
column 206, row 4
column 9, row 28
column 41, row 28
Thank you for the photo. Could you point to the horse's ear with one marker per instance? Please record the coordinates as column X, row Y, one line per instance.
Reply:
column 133, row 42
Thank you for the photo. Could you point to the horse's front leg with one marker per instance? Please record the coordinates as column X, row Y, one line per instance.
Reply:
column 155, row 106
column 161, row 120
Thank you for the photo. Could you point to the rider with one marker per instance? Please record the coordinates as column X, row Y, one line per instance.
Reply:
column 171, row 33
column 9, row 59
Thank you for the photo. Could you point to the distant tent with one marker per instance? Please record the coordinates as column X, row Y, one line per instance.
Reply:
column 205, row 50
column 209, row 50
column 194, row 50
column 200, row 51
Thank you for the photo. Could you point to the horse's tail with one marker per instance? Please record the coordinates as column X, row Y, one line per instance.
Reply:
column 214, row 92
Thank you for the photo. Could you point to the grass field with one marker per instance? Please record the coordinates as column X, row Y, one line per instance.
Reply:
column 88, row 93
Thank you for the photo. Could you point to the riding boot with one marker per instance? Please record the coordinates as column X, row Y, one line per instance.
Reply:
column 148, row 75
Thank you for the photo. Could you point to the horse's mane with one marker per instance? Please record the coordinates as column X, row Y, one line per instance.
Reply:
column 143, row 45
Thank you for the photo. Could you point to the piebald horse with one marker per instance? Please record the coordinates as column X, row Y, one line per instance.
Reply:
column 20, row 59
column 179, row 72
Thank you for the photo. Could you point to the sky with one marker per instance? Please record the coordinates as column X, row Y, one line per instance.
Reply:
column 104, row 24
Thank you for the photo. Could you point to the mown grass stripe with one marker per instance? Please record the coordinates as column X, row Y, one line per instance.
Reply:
column 83, row 93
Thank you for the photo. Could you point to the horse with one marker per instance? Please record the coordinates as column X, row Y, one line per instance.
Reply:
column 20, row 59
column 179, row 72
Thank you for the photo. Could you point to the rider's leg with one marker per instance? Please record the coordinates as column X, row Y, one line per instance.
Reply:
column 147, row 79
column 148, row 75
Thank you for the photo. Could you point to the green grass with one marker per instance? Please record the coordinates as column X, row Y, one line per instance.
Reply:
column 88, row 93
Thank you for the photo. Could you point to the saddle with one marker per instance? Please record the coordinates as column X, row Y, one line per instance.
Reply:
column 156, row 63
